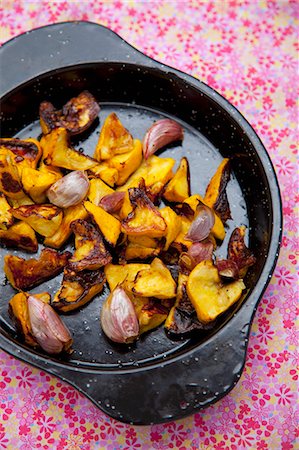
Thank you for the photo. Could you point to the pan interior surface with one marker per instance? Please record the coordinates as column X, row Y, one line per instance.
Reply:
column 139, row 96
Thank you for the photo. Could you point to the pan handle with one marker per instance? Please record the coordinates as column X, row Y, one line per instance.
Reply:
column 61, row 45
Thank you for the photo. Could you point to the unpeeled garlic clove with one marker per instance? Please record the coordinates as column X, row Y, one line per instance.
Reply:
column 118, row 317
column 161, row 133
column 112, row 202
column 69, row 190
column 47, row 327
column 202, row 224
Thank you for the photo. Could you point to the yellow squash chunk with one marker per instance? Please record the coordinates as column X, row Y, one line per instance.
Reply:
column 155, row 171
column 36, row 183
column 127, row 163
column 153, row 282
column 25, row 274
column 114, row 139
column 64, row 231
column 215, row 196
column 127, row 207
column 77, row 289
column 178, row 188
column 145, row 219
column 6, row 218
column 180, row 243
column 208, row 295
column 90, row 253
column 97, row 190
column 108, row 224
column 173, row 223
column 52, row 170
column 55, row 145
column 150, row 313
column 19, row 235
column 108, row 174
column 44, row 219
column 10, row 183
column 116, row 274
column 18, row 311
column 135, row 251
column 27, row 152
column 218, row 230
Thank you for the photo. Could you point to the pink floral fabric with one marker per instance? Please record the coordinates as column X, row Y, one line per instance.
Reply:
column 248, row 51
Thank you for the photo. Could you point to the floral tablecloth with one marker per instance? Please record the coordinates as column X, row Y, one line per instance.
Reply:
column 248, row 51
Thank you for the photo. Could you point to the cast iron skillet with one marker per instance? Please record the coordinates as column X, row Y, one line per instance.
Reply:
column 158, row 379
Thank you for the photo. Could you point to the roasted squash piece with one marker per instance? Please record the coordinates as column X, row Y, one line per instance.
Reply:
column 108, row 174
column 145, row 219
column 91, row 253
column 44, row 219
column 178, row 188
column 36, row 183
column 182, row 318
column 150, row 313
column 19, row 314
column 10, row 183
column 27, row 152
column 97, row 190
column 173, row 223
column 56, row 146
column 218, row 230
column 6, row 218
column 180, row 243
column 136, row 251
column 19, row 235
column 114, row 139
column 50, row 170
column 155, row 171
column 116, row 274
column 77, row 289
column 215, row 196
column 25, row 274
column 209, row 296
column 108, row 224
column 127, row 163
column 153, row 282
column 76, row 115
column 127, row 207
column 64, row 231
column 238, row 252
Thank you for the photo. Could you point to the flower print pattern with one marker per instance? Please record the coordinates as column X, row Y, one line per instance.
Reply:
column 248, row 51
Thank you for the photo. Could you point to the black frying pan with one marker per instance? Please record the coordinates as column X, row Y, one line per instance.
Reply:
column 157, row 379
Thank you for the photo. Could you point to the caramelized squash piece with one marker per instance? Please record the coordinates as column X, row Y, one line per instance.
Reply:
column 91, row 253
column 19, row 235
column 127, row 163
column 19, row 314
column 116, row 274
column 76, row 115
column 135, row 251
column 173, row 223
column 64, row 231
column 180, row 243
column 108, row 224
column 178, row 188
column 97, row 190
column 25, row 274
column 56, row 146
column 44, row 219
column 10, row 183
column 36, row 183
column 155, row 171
column 209, row 296
column 145, row 219
column 114, row 139
column 153, row 282
column 182, row 318
column 238, row 252
column 77, row 289
column 215, row 196
column 218, row 230
column 6, row 218
column 108, row 174
column 27, row 152
column 150, row 313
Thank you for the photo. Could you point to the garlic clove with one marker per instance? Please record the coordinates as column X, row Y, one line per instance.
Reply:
column 47, row 327
column 112, row 202
column 161, row 133
column 118, row 317
column 69, row 190
column 202, row 224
